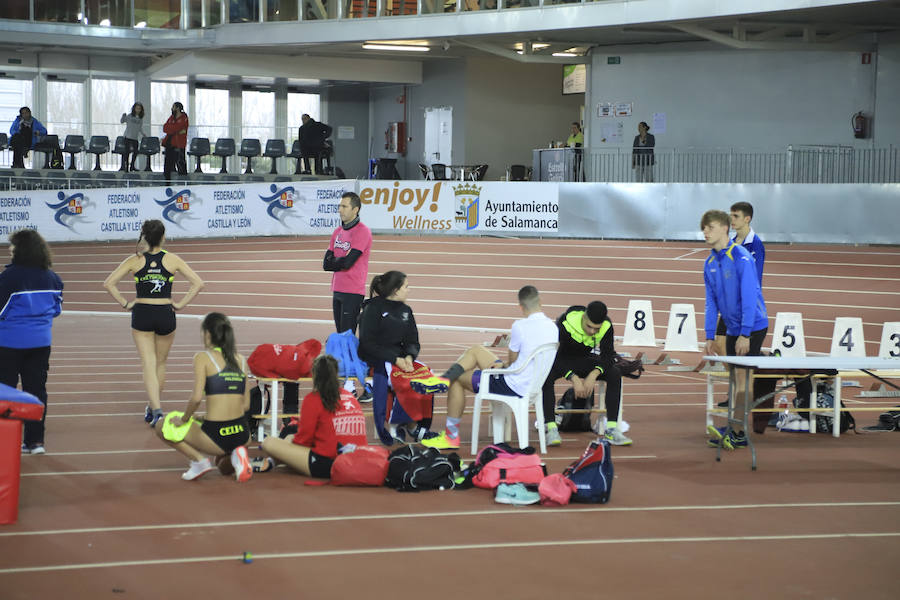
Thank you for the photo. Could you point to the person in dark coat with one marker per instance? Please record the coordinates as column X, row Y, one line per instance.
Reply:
column 312, row 142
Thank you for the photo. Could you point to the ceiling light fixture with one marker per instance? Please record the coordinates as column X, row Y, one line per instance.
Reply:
column 396, row 47
column 564, row 54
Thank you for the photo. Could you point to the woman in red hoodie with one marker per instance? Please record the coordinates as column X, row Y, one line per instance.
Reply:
column 175, row 142
column 330, row 417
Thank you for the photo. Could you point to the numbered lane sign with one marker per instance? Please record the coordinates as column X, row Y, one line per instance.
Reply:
column 682, row 331
column 639, row 329
column 787, row 338
column 848, row 339
column 890, row 341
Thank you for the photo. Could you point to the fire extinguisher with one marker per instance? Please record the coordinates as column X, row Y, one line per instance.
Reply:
column 859, row 124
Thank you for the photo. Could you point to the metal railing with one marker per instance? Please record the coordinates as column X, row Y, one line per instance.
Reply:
column 795, row 164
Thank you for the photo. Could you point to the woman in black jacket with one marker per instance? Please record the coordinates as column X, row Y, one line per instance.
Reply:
column 388, row 336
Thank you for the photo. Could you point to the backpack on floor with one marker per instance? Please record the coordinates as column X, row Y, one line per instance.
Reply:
column 574, row 421
column 592, row 474
column 365, row 466
column 411, row 469
column 825, row 399
column 501, row 463
column 556, row 490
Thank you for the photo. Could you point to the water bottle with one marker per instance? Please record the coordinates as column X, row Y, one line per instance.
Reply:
column 781, row 401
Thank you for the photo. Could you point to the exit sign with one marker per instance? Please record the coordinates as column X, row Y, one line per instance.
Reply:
column 613, row 60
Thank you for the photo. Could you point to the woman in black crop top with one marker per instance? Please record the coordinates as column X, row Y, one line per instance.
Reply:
column 152, row 311
column 219, row 374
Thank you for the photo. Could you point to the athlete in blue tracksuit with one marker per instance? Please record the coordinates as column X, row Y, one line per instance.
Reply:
column 30, row 298
column 732, row 290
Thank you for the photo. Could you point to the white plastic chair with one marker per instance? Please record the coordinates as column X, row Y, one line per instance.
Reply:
column 517, row 406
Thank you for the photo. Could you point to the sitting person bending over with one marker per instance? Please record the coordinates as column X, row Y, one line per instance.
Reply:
column 586, row 354
column 330, row 417
column 220, row 374
column 526, row 335
column 388, row 336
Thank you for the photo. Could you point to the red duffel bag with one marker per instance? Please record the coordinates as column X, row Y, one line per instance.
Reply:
column 367, row 465
column 284, row 360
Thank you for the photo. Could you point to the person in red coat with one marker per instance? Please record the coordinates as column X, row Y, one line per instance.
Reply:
column 330, row 418
column 175, row 142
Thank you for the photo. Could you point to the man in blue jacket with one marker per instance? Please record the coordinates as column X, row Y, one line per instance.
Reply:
column 732, row 290
column 25, row 132
column 30, row 298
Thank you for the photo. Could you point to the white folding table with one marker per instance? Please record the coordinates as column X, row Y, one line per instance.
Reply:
column 792, row 367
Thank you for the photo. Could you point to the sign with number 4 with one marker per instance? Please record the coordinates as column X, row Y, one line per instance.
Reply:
column 890, row 341
column 848, row 339
column 788, row 335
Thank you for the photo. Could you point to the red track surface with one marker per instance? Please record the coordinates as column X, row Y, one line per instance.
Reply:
column 105, row 515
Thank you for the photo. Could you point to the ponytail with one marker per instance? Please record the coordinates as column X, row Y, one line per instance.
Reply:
column 325, row 381
column 221, row 335
column 385, row 285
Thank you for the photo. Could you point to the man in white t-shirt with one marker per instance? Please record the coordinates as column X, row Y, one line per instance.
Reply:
column 527, row 334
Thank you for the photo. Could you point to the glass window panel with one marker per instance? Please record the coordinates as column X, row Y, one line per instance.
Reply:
column 212, row 16
column 258, row 121
column 14, row 9
column 14, row 94
column 299, row 104
column 163, row 95
column 61, row 11
column 165, row 14
column 321, row 9
column 109, row 99
column 243, row 11
column 281, row 10
column 115, row 13
column 65, row 105
column 211, row 118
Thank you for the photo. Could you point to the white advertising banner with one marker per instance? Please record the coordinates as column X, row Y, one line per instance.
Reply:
column 460, row 207
column 235, row 210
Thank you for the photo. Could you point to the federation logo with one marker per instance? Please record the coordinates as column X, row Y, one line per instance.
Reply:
column 280, row 202
column 467, row 202
column 70, row 209
column 177, row 204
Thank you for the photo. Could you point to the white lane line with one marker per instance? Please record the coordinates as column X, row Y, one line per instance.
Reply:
column 452, row 514
column 106, row 452
column 445, row 548
column 103, row 472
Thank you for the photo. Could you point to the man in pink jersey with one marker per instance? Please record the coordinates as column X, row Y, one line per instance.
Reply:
column 348, row 257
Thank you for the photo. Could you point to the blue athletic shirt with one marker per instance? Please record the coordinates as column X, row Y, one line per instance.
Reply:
column 733, row 291
column 30, row 298
column 755, row 246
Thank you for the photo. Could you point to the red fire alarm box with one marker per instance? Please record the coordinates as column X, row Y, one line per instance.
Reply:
column 396, row 137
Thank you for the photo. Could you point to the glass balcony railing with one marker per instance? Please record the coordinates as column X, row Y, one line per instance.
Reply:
column 167, row 14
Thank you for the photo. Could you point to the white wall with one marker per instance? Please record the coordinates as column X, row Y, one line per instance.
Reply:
column 720, row 97
column 886, row 126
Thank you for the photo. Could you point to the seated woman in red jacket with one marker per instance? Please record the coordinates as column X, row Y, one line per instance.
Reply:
column 330, row 417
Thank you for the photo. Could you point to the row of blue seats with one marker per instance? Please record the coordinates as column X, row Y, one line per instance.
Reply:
column 149, row 146
column 55, row 179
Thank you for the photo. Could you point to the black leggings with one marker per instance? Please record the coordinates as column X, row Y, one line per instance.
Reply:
column 31, row 364
column 346, row 310
column 581, row 367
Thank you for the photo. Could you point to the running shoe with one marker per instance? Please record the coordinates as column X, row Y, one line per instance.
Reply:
column 430, row 385
column 262, row 465
column 442, row 442
column 148, row 414
column 26, row 449
column 552, row 437
column 617, row 438
column 516, row 494
column 37, row 449
column 198, row 469
column 241, row 463
column 735, row 440
column 155, row 416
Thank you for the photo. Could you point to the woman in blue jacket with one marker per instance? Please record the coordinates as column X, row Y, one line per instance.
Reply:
column 30, row 298
column 25, row 132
